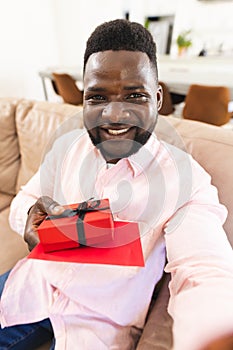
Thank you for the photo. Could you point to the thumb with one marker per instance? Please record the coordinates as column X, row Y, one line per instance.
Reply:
column 49, row 206
column 55, row 209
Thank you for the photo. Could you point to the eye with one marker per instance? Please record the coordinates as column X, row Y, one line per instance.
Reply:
column 95, row 99
column 137, row 97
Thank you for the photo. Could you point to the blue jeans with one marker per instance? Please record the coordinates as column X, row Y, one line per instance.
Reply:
column 25, row 337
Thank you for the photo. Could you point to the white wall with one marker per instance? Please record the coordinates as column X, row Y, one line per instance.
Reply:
column 36, row 34
column 27, row 43
column 74, row 22
column 211, row 24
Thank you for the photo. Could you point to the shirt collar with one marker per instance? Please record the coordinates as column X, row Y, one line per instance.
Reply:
column 141, row 159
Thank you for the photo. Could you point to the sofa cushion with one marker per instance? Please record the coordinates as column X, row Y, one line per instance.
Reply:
column 212, row 147
column 38, row 125
column 9, row 148
column 12, row 247
column 158, row 331
column 5, row 200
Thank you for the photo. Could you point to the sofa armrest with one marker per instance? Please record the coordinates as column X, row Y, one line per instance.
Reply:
column 157, row 333
column 12, row 247
column 5, row 200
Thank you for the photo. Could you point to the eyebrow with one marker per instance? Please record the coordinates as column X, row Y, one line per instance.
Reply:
column 137, row 87
column 93, row 88
column 127, row 88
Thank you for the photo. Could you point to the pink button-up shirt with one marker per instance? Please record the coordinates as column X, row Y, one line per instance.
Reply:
column 94, row 306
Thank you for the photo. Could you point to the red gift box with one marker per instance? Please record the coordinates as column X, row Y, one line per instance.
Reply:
column 88, row 223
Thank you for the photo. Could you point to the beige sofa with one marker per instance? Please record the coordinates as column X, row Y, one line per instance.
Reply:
column 28, row 129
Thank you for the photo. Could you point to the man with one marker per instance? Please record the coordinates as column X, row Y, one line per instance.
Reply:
column 97, row 306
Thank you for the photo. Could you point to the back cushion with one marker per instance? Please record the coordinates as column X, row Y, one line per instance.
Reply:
column 38, row 125
column 212, row 147
column 9, row 148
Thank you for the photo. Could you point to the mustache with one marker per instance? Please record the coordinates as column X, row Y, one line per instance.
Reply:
column 108, row 124
column 140, row 139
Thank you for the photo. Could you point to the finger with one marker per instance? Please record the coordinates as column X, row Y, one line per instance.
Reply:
column 31, row 238
column 30, row 231
column 36, row 214
column 47, row 205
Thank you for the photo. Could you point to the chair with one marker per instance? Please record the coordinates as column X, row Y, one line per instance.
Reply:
column 67, row 88
column 167, row 105
column 208, row 104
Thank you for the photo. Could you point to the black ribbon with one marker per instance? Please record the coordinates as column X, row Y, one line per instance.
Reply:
column 81, row 210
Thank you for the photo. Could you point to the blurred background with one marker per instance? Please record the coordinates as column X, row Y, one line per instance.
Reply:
column 39, row 34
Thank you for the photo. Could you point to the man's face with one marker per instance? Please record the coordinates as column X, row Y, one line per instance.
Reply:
column 121, row 100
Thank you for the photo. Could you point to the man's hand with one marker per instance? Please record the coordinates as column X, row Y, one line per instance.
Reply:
column 44, row 206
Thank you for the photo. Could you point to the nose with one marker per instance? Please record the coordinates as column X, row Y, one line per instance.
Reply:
column 115, row 112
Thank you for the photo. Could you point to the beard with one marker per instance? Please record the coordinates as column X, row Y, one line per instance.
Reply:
column 139, row 140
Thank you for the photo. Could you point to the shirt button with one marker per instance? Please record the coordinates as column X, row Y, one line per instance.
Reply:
column 56, row 293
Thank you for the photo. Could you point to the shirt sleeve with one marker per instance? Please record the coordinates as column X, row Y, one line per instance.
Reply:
column 200, row 260
column 41, row 184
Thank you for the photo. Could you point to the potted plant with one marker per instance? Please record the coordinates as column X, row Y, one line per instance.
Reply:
column 183, row 41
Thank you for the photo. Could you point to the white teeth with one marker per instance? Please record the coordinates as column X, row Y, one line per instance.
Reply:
column 117, row 132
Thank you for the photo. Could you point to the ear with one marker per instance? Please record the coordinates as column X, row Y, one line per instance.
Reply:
column 159, row 97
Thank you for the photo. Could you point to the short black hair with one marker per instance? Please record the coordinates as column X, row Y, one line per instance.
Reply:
column 121, row 34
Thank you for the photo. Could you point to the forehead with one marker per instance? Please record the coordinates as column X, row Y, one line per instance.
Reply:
column 110, row 64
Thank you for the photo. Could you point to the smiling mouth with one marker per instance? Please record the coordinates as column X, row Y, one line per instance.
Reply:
column 117, row 131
